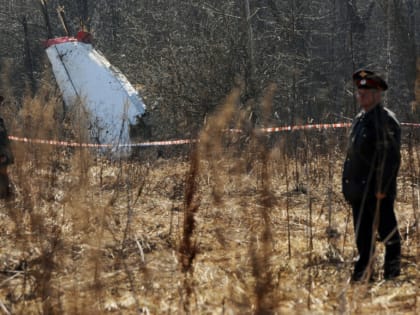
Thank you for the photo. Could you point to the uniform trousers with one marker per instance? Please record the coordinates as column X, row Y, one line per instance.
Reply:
column 369, row 217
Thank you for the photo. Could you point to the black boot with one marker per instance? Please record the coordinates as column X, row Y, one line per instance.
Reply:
column 392, row 269
column 362, row 276
column 362, row 273
column 5, row 190
column 392, row 266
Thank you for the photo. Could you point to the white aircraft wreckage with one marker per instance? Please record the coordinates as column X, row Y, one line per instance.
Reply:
column 85, row 77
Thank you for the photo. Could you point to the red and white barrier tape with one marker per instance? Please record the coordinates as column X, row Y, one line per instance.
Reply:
column 185, row 141
column 162, row 143
column 95, row 145
column 415, row 125
column 59, row 143
column 304, row 127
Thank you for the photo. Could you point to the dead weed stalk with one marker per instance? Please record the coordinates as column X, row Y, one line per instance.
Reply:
column 266, row 298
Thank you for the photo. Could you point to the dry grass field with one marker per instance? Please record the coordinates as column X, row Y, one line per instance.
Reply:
column 243, row 223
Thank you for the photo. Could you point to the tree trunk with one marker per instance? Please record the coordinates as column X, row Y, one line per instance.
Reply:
column 250, row 79
column 28, row 60
column 44, row 10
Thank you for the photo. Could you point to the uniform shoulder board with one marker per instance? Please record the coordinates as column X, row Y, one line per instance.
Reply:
column 391, row 116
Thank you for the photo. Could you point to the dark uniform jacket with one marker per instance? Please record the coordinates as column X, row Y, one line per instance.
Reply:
column 373, row 155
column 6, row 156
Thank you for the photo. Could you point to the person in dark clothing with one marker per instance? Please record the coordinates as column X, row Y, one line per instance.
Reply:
column 6, row 158
column 370, row 177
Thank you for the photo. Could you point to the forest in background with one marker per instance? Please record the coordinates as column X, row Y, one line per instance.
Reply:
column 238, row 226
column 185, row 56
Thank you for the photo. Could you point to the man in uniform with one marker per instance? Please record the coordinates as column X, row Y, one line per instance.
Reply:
column 6, row 158
column 370, row 177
